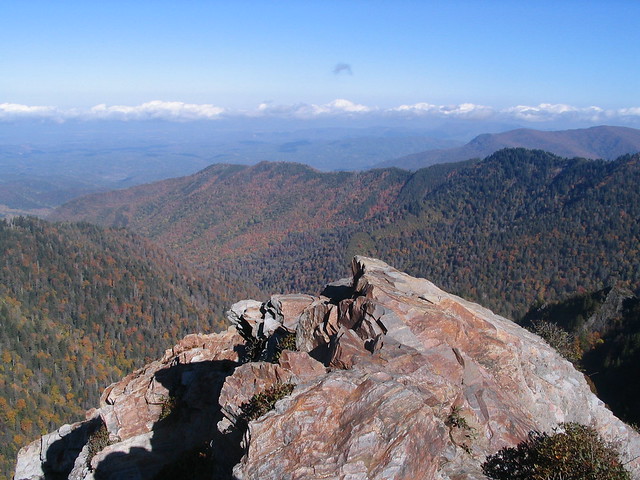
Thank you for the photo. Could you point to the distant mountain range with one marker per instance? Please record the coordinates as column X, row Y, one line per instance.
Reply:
column 604, row 142
column 518, row 225
column 35, row 178
column 41, row 172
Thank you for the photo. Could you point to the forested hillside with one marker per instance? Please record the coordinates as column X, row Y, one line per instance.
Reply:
column 524, row 225
column 80, row 306
column 266, row 223
column 518, row 226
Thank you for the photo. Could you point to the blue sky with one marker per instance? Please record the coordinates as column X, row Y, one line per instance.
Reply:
column 70, row 56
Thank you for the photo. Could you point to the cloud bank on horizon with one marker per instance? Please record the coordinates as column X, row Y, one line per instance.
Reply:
column 339, row 108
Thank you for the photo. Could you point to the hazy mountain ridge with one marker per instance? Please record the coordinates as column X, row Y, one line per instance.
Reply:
column 38, row 195
column 48, row 165
column 66, row 161
column 606, row 142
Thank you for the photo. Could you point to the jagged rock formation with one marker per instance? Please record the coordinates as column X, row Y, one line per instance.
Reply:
column 612, row 306
column 394, row 379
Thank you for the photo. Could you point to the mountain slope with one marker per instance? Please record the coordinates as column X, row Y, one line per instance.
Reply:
column 518, row 225
column 230, row 214
column 523, row 225
column 79, row 306
column 604, row 142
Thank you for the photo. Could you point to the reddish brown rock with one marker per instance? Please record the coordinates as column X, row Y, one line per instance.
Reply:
column 248, row 380
column 415, row 358
column 287, row 308
column 301, row 366
column 133, row 405
column 152, row 416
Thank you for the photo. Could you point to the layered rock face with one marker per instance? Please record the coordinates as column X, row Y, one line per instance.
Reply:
column 394, row 379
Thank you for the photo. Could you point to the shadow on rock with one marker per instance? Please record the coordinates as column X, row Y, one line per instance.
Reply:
column 62, row 453
column 185, row 442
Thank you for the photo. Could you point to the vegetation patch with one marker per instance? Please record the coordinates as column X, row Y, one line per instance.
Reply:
column 169, row 405
column 265, row 401
column 455, row 420
column 268, row 349
column 254, row 349
column 561, row 340
column 573, row 452
column 285, row 342
column 97, row 442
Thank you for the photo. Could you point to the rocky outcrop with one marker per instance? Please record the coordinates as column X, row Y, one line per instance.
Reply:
column 394, row 379
column 611, row 308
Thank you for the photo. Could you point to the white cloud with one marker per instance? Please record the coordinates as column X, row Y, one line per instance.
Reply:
column 548, row 112
column 341, row 105
column 177, row 111
column 463, row 110
column 15, row 110
column 416, row 108
column 173, row 111
column 305, row 110
column 339, row 108
column 631, row 112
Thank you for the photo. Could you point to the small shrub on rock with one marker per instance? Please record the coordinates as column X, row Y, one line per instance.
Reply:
column 97, row 442
column 562, row 341
column 455, row 419
column 264, row 401
column 169, row 405
column 573, row 452
column 254, row 349
column 285, row 342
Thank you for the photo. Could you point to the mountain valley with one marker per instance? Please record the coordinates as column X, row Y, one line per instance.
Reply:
column 518, row 226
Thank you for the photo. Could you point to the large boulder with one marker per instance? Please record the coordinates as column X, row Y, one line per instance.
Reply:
column 425, row 385
column 394, row 379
